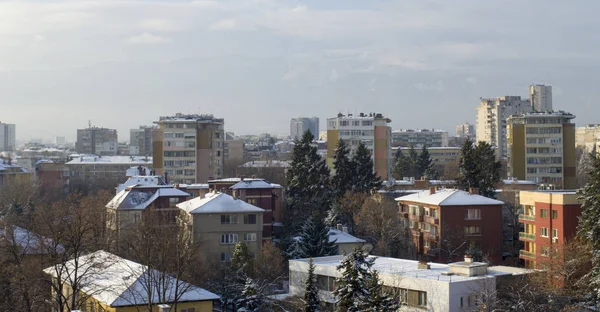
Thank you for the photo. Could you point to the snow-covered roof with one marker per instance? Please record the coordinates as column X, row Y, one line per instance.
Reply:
column 28, row 242
column 141, row 180
column 195, row 186
column 342, row 237
column 14, row 167
column 217, row 203
column 94, row 160
column 252, row 184
column 118, row 282
column 267, row 163
column 133, row 199
column 135, row 171
column 449, row 197
column 511, row 181
column 233, row 180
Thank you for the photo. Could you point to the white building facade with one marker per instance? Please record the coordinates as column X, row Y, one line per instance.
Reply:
column 7, row 137
column 299, row 125
column 541, row 98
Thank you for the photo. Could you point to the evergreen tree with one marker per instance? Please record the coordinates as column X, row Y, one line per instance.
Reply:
column 365, row 178
column 479, row 168
column 308, row 185
column 314, row 240
column 352, row 287
column 344, row 170
column 241, row 260
column 378, row 300
column 589, row 222
column 400, row 169
column 311, row 293
column 424, row 162
column 250, row 300
column 412, row 159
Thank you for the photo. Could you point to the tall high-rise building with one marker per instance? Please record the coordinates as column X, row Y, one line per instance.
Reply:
column 188, row 148
column 142, row 139
column 542, row 148
column 7, row 137
column 541, row 98
column 465, row 130
column 371, row 129
column 299, row 125
column 97, row 141
column 491, row 120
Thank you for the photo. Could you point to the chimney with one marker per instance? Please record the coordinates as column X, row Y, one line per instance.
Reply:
column 468, row 258
column 473, row 190
column 234, row 194
column 345, row 229
column 164, row 308
column 431, row 190
column 423, row 265
column 338, row 226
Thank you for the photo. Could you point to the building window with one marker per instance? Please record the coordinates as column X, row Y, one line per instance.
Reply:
column 422, row 302
column 250, row 219
column 229, row 219
column 226, row 256
column 250, row 237
column 544, row 213
column 544, row 232
column 472, row 230
column 403, row 296
column 252, row 201
column 473, row 214
column 554, row 233
column 554, row 214
column 227, row 239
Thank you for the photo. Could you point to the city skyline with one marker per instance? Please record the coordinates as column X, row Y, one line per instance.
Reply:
column 425, row 64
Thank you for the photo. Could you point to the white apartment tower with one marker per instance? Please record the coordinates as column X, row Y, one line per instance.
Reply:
column 7, row 137
column 491, row 120
column 541, row 98
column 299, row 125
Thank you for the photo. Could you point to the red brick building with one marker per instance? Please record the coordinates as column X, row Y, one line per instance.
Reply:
column 549, row 221
column 446, row 223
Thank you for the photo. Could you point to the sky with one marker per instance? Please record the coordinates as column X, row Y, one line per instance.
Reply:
column 258, row 63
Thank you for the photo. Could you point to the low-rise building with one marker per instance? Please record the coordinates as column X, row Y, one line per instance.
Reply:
column 12, row 173
column 114, row 284
column 219, row 221
column 418, row 286
column 550, row 220
column 86, row 169
column 420, row 137
column 446, row 223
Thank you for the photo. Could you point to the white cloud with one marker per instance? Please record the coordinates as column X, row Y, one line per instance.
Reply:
column 226, row 24
column 160, row 25
column 147, row 38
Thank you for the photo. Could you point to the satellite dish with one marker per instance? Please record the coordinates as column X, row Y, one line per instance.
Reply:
column 367, row 248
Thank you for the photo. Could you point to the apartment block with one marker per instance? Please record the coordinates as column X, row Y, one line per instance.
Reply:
column 439, row 155
column 91, row 169
column 234, row 148
column 549, row 220
column 465, row 130
column 7, row 137
column 587, row 137
column 141, row 139
column 542, row 148
column 219, row 221
column 540, row 97
column 490, row 124
column 299, row 125
column 420, row 137
column 372, row 130
column 465, row 220
column 97, row 141
column 189, row 148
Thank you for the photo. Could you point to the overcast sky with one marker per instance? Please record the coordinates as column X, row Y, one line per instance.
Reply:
column 424, row 64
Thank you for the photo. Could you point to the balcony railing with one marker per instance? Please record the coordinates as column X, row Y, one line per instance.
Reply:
column 430, row 236
column 526, row 217
column 432, row 220
column 415, row 217
column 524, row 253
column 526, row 236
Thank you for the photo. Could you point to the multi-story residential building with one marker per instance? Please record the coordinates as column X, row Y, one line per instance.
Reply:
column 97, row 141
column 87, row 169
column 115, row 284
column 439, row 155
column 587, row 137
column 189, row 148
column 540, row 97
column 234, row 148
column 10, row 173
column 465, row 130
column 542, row 148
column 219, row 221
column 142, row 139
column 299, row 125
column 7, row 137
column 465, row 220
column 491, row 120
column 420, row 137
column 550, row 220
column 417, row 286
column 372, row 130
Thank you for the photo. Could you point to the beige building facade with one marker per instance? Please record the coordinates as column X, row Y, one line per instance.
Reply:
column 587, row 137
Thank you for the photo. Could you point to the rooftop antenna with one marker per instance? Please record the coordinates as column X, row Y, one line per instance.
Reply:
column 89, row 123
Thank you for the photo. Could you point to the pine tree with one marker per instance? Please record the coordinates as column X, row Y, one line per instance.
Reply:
column 479, row 168
column 378, row 300
column 469, row 173
column 250, row 300
column 344, row 170
column 589, row 222
column 365, row 178
column 400, row 169
column 424, row 162
column 241, row 260
column 352, row 292
column 311, row 293
column 308, row 184
column 411, row 161
column 314, row 240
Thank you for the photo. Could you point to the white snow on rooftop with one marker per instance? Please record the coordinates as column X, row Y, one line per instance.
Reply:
column 118, row 282
column 341, row 237
column 141, row 180
column 94, row 160
column 267, row 163
column 252, row 184
column 5, row 166
column 133, row 199
column 510, row 181
column 217, row 203
column 449, row 197
column 28, row 242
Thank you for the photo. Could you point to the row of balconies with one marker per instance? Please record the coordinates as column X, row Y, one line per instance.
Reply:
column 420, row 218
